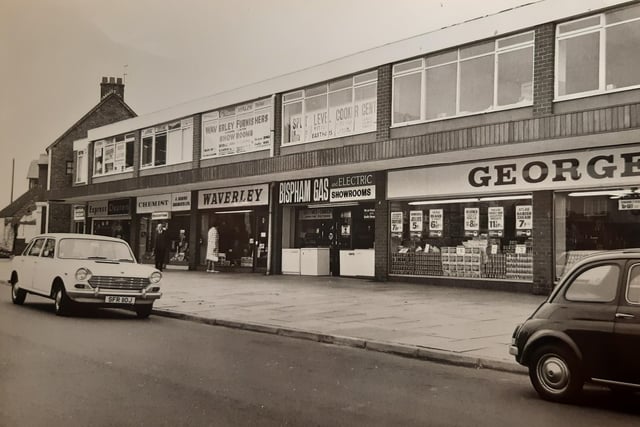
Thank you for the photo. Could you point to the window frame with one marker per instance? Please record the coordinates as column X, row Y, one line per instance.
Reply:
column 601, row 30
column 369, row 78
column 181, row 127
column 628, row 282
column 528, row 43
column 112, row 142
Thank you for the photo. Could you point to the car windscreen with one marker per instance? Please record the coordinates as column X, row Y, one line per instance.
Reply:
column 94, row 249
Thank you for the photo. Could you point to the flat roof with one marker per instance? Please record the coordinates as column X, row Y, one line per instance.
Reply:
column 505, row 22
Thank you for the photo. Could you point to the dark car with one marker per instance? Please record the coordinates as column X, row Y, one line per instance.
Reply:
column 587, row 330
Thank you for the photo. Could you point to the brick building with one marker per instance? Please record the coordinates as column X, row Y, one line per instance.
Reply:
column 491, row 153
column 111, row 108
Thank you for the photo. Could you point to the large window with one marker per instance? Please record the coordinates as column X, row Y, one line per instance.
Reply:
column 330, row 110
column 482, row 77
column 486, row 237
column 167, row 144
column 235, row 130
column 599, row 53
column 590, row 221
column 113, row 155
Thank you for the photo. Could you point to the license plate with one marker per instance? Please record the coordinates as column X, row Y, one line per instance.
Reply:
column 116, row 299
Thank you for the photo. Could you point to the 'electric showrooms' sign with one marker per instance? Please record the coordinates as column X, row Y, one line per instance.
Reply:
column 343, row 188
column 611, row 166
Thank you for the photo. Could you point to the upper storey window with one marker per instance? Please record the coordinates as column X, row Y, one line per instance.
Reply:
column 330, row 110
column 598, row 54
column 167, row 144
column 473, row 79
column 112, row 155
column 241, row 129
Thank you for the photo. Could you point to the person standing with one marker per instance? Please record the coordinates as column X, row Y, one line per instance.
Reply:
column 213, row 239
column 161, row 246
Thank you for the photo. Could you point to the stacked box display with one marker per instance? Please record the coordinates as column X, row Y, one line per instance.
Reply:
column 496, row 266
column 428, row 264
column 403, row 263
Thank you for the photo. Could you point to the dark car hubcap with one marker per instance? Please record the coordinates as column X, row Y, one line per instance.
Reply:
column 553, row 374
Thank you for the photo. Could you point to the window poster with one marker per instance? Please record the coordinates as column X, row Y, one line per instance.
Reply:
column 120, row 155
column 495, row 215
column 415, row 221
column 436, row 217
column 365, row 115
column 396, row 222
column 237, row 130
column 471, row 221
column 524, row 220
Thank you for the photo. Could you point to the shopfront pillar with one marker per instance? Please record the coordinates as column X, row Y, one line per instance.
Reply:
column 194, row 238
column 381, row 243
column 543, row 258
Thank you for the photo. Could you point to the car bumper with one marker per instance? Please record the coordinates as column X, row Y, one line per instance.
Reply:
column 98, row 296
column 513, row 350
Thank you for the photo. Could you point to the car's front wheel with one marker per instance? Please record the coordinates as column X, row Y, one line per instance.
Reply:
column 143, row 311
column 62, row 301
column 17, row 295
column 555, row 373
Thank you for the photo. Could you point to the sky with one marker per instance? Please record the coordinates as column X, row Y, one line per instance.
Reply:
column 53, row 53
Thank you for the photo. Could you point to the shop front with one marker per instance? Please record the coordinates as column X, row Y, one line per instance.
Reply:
column 172, row 212
column 240, row 216
column 477, row 220
column 328, row 225
column 111, row 218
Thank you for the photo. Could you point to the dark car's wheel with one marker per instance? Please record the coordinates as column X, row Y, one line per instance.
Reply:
column 17, row 295
column 143, row 311
column 555, row 373
column 62, row 301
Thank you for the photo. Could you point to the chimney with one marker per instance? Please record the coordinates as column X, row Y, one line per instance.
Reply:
column 111, row 85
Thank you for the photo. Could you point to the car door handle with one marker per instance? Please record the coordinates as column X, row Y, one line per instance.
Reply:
column 624, row 316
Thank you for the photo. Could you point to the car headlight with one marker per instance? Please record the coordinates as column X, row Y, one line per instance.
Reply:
column 83, row 274
column 155, row 277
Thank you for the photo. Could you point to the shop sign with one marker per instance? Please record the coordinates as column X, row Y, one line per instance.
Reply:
column 149, row 204
column 78, row 213
column 181, row 201
column 629, row 204
column 304, row 191
column 436, row 222
column 415, row 221
column 118, row 207
column 98, row 208
column 347, row 188
column 524, row 217
column 160, row 216
column 495, row 215
column 249, row 195
column 312, row 214
column 610, row 166
column 369, row 213
column 242, row 129
column 396, row 222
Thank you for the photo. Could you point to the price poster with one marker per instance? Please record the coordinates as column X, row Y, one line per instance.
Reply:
column 524, row 217
column 495, row 215
column 396, row 222
column 415, row 220
column 472, row 219
column 436, row 217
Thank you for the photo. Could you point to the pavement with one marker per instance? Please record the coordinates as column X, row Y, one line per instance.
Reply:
column 468, row 327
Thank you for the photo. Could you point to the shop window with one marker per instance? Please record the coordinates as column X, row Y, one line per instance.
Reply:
column 329, row 110
column 112, row 155
column 488, row 237
column 167, row 144
column 598, row 54
column 481, row 77
column 591, row 221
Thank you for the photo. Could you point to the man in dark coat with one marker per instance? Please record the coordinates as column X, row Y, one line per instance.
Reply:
column 161, row 246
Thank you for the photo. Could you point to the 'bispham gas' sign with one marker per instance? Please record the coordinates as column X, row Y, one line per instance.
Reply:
column 343, row 188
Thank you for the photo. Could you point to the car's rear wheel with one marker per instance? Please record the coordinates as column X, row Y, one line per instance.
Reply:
column 555, row 373
column 143, row 311
column 61, row 301
column 17, row 295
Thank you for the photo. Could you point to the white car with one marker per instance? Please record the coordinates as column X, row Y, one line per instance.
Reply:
column 84, row 269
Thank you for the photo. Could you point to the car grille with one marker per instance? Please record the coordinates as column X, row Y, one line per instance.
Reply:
column 118, row 282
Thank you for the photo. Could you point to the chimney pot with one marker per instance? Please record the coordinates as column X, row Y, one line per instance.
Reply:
column 105, row 80
column 112, row 79
column 119, row 80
